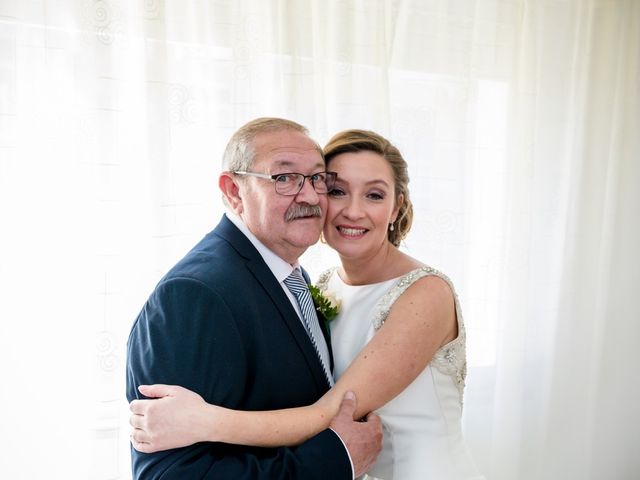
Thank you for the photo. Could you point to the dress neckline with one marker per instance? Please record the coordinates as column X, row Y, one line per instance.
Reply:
column 348, row 285
column 394, row 279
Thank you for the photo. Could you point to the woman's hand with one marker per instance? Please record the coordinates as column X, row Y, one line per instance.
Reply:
column 177, row 417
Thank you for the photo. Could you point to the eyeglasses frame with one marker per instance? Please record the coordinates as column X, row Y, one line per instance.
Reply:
column 274, row 177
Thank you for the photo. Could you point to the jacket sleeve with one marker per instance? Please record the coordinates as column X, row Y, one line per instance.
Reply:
column 186, row 335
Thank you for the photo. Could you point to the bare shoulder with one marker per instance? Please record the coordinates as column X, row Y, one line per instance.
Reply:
column 428, row 289
column 427, row 303
column 432, row 285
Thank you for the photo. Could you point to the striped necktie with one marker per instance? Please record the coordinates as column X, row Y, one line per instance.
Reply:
column 296, row 285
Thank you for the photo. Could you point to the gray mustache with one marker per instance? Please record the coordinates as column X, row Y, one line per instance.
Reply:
column 299, row 210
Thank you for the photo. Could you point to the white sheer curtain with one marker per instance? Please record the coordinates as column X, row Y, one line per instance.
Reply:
column 519, row 120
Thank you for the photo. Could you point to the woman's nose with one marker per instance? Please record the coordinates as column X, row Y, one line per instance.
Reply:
column 353, row 209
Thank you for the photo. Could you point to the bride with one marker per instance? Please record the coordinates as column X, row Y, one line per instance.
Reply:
column 398, row 340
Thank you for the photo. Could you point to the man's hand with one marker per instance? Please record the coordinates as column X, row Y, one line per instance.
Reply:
column 177, row 417
column 363, row 439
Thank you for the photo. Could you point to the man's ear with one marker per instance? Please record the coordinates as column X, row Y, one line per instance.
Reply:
column 231, row 192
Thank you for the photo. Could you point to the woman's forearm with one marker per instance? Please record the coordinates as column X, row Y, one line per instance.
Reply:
column 273, row 428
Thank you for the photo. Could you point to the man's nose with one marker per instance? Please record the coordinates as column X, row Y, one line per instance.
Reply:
column 307, row 194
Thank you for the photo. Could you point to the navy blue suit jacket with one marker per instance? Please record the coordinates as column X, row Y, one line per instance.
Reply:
column 219, row 323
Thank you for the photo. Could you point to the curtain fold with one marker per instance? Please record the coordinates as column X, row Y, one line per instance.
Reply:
column 519, row 120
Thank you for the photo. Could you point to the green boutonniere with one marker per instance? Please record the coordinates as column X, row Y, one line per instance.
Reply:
column 326, row 303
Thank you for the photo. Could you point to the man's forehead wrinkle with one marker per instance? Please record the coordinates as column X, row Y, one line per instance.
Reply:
column 285, row 150
column 286, row 156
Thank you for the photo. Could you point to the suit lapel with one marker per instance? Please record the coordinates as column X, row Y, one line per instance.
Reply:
column 265, row 278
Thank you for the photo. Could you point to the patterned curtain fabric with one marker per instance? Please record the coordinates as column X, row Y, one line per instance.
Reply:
column 519, row 120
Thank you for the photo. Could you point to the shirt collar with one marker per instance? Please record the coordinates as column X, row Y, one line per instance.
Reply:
column 279, row 267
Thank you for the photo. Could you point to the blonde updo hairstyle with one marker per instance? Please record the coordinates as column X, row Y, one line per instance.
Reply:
column 353, row 141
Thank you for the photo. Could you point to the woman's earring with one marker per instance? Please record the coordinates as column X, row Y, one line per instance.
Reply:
column 391, row 227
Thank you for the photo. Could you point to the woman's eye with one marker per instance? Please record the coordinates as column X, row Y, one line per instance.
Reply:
column 376, row 196
column 335, row 192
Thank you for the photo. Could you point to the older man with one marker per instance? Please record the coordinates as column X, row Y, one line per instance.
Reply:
column 223, row 322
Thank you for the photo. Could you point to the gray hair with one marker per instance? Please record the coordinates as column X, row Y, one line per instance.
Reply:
column 240, row 152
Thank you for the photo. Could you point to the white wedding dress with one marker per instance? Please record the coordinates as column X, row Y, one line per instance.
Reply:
column 422, row 426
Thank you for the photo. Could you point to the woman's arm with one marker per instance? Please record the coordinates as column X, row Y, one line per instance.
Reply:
column 419, row 323
column 178, row 417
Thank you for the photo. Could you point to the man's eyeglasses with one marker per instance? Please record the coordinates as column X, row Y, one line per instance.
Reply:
column 292, row 183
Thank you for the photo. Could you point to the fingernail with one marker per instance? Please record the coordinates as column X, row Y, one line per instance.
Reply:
column 350, row 395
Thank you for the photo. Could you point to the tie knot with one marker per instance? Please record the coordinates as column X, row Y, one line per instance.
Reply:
column 295, row 282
